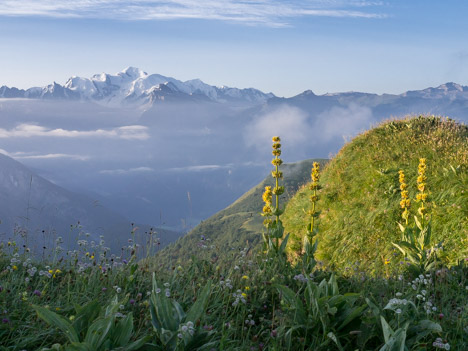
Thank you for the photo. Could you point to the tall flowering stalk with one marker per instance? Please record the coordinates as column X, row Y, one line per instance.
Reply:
column 309, row 248
column 277, row 174
column 405, row 202
column 415, row 243
column 274, row 228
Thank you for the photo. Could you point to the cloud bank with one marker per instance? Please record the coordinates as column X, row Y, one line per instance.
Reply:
column 252, row 12
column 290, row 123
column 127, row 171
column 34, row 156
column 134, row 132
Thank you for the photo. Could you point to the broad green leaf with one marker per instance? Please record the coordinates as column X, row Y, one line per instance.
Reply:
column 85, row 316
column 387, row 330
column 98, row 332
column 294, row 302
column 123, row 331
column 57, row 321
column 197, row 309
column 351, row 315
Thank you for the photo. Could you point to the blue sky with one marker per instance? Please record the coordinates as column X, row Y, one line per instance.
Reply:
column 284, row 46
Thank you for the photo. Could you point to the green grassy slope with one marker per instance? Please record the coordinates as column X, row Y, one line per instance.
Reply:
column 359, row 202
column 229, row 230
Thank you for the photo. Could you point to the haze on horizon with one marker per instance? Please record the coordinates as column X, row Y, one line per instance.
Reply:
column 275, row 46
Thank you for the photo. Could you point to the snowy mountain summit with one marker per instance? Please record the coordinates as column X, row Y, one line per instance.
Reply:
column 132, row 86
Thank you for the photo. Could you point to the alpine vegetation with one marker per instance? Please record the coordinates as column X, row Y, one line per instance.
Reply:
column 382, row 266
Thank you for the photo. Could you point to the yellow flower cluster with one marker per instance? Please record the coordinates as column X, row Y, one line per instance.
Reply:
column 314, row 175
column 267, row 198
column 421, row 181
column 405, row 202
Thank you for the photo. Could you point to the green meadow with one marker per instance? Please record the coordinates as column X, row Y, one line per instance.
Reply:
column 366, row 251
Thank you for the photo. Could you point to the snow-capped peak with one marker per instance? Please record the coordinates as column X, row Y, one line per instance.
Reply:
column 133, row 72
column 135, row 87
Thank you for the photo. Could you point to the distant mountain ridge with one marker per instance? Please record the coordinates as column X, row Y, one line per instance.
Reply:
column 35, row 212
column 133, row 86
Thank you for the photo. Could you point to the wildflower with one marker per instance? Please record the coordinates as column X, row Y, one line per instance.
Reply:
column 422, row 196
column 37, row 293
column 387, row 261
column 132, row 302
column 14, row 268
column 405, row 202
column 245, row 277
column 244, row 295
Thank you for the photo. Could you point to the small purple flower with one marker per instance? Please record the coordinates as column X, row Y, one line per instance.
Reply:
column 5, row 320
column 104, row 289
column 37, row 292
column 274, row 333
column 139, row 296
column 124, row 261
column 1, row 288
column 132, row 301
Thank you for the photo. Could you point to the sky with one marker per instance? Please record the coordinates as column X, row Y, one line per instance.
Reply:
column 284, row 47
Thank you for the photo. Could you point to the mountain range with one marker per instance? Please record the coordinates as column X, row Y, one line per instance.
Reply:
column 168, row 153
column 132, row 86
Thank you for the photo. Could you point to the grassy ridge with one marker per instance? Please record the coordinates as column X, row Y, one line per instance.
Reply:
column 359, row 201
column 230, row 229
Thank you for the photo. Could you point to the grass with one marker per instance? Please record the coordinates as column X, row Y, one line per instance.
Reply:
column 231, row 229
column 359, row 200
column 248, row 301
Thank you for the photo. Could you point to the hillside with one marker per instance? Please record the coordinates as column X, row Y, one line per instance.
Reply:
column 237, row 226
column 35, row 212
column 359, row 202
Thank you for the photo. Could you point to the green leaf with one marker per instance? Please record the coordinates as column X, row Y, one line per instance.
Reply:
column 197, row 309
column 138, row 344
column 57, row 321
column 78, row 346
column 85, row 315
column 123, row 331
column 352, row 315
column 387, row 330
column 283, row 244
column 163, row 309
column 98, row 332
column 418, row 223
column 402, row 228
column 335, row 339
column 294, row 302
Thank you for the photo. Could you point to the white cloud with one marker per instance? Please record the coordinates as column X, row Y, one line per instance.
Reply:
column 258, row 12
column 290, row 123
column 32, row 130
column 127, row 171
column 343, row 122
column 199, row 168
column 32, row 156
